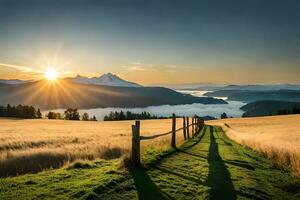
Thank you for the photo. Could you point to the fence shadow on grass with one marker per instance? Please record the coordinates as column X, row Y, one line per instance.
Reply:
column 145, row 187
column 183, row 149
column 219, row 177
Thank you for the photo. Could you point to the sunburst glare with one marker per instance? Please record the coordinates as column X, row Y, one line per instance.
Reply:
column 51, row 74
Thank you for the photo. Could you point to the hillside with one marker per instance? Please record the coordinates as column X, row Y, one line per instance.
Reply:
column 251, row 96
column 62, row 94
column 262, row 108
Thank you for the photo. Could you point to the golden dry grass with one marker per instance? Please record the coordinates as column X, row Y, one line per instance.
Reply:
column 34, row 145
column 276, row 137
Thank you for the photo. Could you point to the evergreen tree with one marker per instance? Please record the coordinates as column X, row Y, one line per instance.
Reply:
column 85, row 117
column 224, row 116
column 39, row 114
column 94, row 118
column 72, row 114
column 122, row 116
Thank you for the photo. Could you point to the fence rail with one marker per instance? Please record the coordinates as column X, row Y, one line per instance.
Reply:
column 197, row 125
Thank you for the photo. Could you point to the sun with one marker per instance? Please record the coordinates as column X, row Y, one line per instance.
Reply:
column 51, row 74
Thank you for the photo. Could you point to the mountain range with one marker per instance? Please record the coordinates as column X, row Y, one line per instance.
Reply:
column 266, row 87
column 252, row 96
column 215, row 87
column 65, row 93
column 108, row 79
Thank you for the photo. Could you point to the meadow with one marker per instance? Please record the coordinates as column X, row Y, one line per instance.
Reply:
column 275, row 137
column 29, row 146
column 209, row 166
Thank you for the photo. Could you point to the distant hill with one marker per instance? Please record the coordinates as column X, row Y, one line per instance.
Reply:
column 207, row 118
column 215, row 87
column 63, row 94
column 194, row 86
column 13, row 81
column 108, row 79
column 263, row 108
column 262, row 87
column 251, row 96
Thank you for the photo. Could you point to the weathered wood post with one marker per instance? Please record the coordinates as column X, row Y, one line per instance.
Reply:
column 195, row 124
column 199, row 124
column 195, row 121
column 173, row 139
column 135, row 150
column 193, row 127
column 184, row 128
column 188, row 127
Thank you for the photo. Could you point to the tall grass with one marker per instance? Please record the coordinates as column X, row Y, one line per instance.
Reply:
column 276, row 137
column 29, row 146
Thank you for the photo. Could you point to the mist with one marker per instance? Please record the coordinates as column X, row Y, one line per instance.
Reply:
column 214, row 110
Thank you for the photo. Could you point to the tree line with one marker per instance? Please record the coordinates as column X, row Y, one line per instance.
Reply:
column 70, row 114
column 30, row 112
column 288, row 111
column 20, row 111
column 116, row 116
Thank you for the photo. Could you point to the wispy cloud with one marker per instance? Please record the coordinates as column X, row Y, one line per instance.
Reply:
column 136, row 63
column 20, row 68
column 135, row 68
column 138, row 66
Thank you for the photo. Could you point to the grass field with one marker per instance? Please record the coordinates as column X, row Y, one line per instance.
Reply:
column 276, row 137
column 208, row 167
column 35, row 145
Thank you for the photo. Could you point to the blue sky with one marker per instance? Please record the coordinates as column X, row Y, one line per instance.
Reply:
column 245, row 41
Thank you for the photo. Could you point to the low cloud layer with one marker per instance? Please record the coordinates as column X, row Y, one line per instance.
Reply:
column 214, row 110
column 232, row 109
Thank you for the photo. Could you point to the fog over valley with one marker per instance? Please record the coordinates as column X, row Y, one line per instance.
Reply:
column 214, row 110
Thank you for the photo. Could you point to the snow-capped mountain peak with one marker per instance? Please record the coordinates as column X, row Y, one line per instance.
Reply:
column 108, row 79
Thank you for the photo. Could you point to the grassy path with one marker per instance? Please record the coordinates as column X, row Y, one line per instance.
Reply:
column 207, row 167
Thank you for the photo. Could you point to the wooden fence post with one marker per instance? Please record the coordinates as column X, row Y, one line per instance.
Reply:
column 135, row 150
column 198, row 125
column 195, row 122
column 184, row 128
column 173, row 139
column 193, row 127
column 188, row 127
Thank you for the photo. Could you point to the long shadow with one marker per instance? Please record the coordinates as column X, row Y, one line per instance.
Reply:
column 180, row 175
column 218, row 177
column 145, row 187
column 240, row 164
column 198, row 139
column 192, row 154
column 175, row 150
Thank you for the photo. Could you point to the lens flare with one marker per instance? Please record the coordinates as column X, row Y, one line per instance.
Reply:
column 51, row 74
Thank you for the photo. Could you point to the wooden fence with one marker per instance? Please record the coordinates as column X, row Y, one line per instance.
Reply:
column 197, row 125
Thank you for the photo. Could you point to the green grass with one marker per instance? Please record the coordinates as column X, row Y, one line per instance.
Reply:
column 208, row 167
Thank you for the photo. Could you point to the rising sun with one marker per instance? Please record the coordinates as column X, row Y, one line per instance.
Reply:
column 51, row 74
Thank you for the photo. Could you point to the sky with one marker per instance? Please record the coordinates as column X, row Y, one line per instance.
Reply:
column 153, row 42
